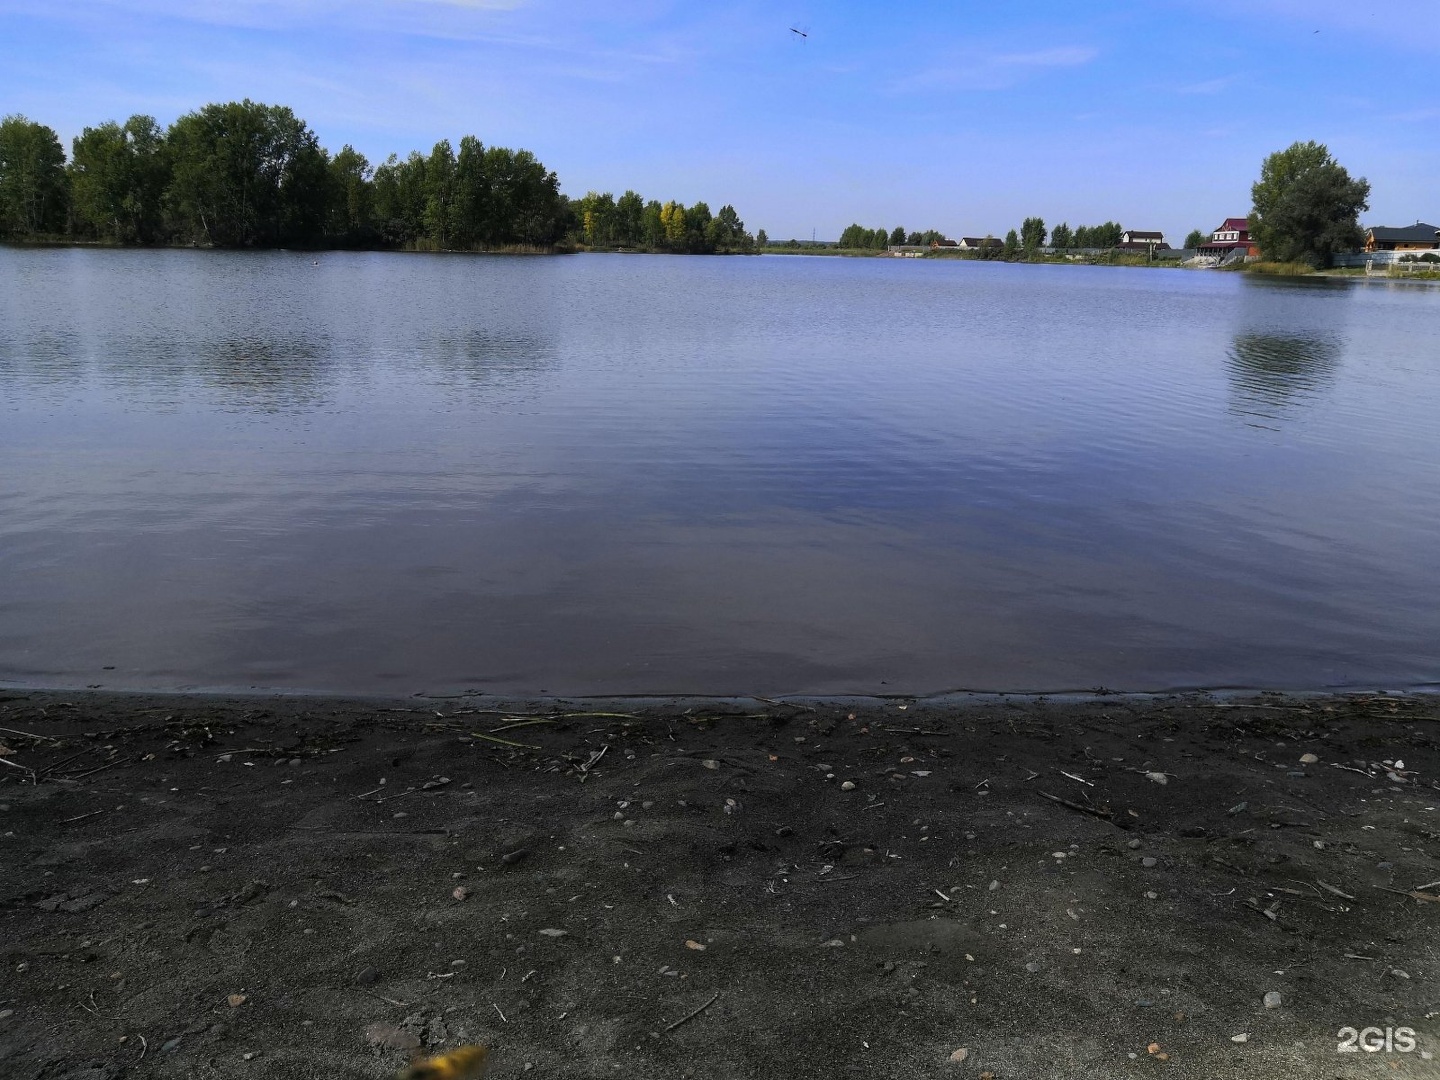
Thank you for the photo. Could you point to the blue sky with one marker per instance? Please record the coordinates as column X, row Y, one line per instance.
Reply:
column 962, row 116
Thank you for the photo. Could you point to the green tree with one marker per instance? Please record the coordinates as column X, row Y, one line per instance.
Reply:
column 32, row 178
column 630, row 220
column 1032, row 234
column 697, row 225
column 350, row 217
column 117, row 180
column 1012, row 245
column 897, row 235
column 1195, row 238
column 1061, row 237
column 399, row 188
column 244, row 174
column 1306, row 207
column 762, row 238
column 441, row 185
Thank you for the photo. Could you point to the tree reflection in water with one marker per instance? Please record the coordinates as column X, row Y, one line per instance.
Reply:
column 1275, row 375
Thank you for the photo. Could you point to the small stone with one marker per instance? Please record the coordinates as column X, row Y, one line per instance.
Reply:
column 1399, row 974
column 170, row 1046
column 959, row 1055
column 458, row 964
column 1152, row 896
column 695, row 945
column 710, row 763
column 994, row 885
column 236, row 1000
column 295, row 763
column 309, row 931
column 552, row 932
column 253, row 1054
column 5, row 1014
column 1032, row 967
column 1157, row 777
column 1243, row 1037
column 1133, row 844
column 848, row 785
column 784, row 830
column 1309, row 759
column 1149, row 860
column 1273, row 1000
column 460, row 892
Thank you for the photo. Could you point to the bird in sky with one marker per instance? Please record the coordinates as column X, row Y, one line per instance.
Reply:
column 802, row 33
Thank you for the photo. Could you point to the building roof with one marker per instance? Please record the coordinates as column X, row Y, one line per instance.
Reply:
column 1234, row 224
column 1139, row 235
column 1419, row 232
column 977, row 241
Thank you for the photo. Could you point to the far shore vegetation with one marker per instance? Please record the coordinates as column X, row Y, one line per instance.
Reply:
column 247, row 175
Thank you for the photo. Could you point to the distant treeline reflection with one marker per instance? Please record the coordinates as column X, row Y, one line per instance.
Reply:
column 244, row 174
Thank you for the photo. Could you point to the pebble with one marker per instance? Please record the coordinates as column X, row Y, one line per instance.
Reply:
column 711, row 763
column 170, row 1046
column 551, row 932
column 460, row 892
column 1032, row 967
column 457, row 964
column 5, row 1014
column 994, row 885
column 1273, row 1000
column 1133, row 844
column 959, row 1055
column 1243, row 1037
column 295, row 763
column 1149, row 860
column 253, row 1054
column 1309, row 759
column 848, row 785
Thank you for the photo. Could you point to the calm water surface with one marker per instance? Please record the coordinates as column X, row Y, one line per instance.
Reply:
column 613, row 474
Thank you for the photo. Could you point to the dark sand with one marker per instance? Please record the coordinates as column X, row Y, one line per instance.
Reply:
column 180, row 850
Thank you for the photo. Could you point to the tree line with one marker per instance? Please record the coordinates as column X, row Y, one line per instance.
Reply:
column 243, row 174
column 630, row 222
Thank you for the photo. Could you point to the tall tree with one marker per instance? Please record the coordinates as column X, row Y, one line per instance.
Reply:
column 118, row 176
column 1012, row 245
column 630, row 220
column 1195, row 238
column 1306, row 207
column 246, row 174
column 350, row 218
column 440, row 192
column 32, row 178
column 897, row 235
column 1032, row 234
column 1061, row 237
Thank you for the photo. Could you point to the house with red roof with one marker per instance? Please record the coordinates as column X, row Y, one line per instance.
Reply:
column 1232, row 235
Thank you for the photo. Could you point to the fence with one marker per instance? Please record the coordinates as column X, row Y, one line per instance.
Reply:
column 1383, row 260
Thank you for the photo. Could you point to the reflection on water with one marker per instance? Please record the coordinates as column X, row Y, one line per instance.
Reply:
column 652, row 475
column 1271, row 374
column 266, row 375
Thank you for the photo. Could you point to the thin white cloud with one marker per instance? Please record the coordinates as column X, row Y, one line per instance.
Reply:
column 979, row 70
column 1209, row 86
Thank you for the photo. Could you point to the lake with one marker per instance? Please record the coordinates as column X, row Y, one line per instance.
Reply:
column 609, row 474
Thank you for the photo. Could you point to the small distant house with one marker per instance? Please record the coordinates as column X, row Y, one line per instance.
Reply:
column 943, row 242
column 974, row 243
column 1232, row 235
column 1417, row 237
column 1135, row 239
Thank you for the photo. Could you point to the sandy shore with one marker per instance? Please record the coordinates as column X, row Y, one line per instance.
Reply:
column 297, row 887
